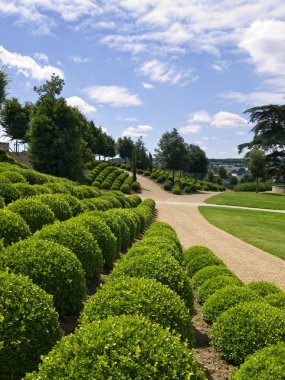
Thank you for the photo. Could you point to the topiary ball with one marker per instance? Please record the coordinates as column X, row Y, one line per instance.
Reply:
column 51, row 266
column 213, row 284
column 201, row 261
column 57, row 204
column 196, row 250
column 124, row 347
column 208, row 273
column 8, row 192
column 34, row 212
column 265, row 364
column 12, row 227
column 79, row 241
column 225, row 298
column 135, row 296
column 246, row 328
column 158, row 266
column 25, row 190
column 29, row 325
column 264, row 288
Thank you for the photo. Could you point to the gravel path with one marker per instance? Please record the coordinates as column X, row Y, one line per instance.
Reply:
column 246, row 261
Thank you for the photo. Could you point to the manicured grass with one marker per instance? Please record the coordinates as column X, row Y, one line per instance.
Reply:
column 265, row 230
column 246, row 199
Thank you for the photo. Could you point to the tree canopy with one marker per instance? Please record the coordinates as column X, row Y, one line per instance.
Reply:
column 4, row 81
column 197, row 162
column 256, row 164
column 124, row 147
column 269, row 135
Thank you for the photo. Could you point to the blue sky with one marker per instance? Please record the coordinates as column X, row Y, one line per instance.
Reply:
column 143, row 67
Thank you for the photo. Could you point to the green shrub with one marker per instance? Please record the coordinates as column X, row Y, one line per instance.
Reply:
column 167, row 185
column 12, row 227
column 80, row 242
column 126, row 189
column 8, row 192
column 160, row 267
column 188, row 189
column 265, row 364
column 2, row 202
column 147, row 173
column 225, row 298
column 73, row 202
column 124, row 229
column 161, row 178
column 33, row 177
column 41, row 189
column 246, row 328
column 165, row 230
column 129, row 222
column 251, row 186
column 140, row 296
column 135, row 200
column 25, row 190
column 51, row 266
column 124, row 347
column 133, row 218
column 106, row 185
column 34, row 212
column 56, row 187
column 176, row 190
column 29, row 325
column 136, row 186
column 276, row 299
column 101, row 233
column 213, row 284
column 263, row 288
column 209, row 272
column 14, row 177
column 4, row 179
column 115, row 226
column 57, row 204
column 112, row 199
column 196, row 250
column 200, row 261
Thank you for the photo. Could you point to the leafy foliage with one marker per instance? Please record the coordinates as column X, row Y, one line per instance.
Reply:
column 12, row 227
column 213, row 284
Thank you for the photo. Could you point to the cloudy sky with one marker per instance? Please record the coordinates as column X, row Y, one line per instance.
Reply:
column 143, row 67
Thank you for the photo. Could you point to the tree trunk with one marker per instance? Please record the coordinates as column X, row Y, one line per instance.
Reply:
column 256, row 186
column 173, row 173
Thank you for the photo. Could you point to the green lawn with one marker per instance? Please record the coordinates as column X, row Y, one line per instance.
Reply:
column 246, row 199
column 265, row 230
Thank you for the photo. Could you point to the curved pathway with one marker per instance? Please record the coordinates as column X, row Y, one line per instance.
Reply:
column 246, row 261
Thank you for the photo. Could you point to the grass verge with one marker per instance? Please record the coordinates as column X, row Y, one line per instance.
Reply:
column 246, row 199
column 262, row 229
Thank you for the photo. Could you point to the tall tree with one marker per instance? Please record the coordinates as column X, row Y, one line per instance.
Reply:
column 222, row 172
column 4, row 81
column 172, row 151
column 197, row 162
column 269, row 135
column 15, row 119
column 124, row 147
column 51, row 88
column 142, row 158
column 256, row 165
column 55, row 136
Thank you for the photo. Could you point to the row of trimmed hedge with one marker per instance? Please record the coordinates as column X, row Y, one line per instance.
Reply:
column 137, row 325
column 248, row 320
column 59, row 259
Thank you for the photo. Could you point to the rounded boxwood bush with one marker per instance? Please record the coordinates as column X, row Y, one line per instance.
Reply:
column 124, row 229
column 129, row 221
column 80, row 241
column 115, row 227
column 213, row 284
column 25, row 189
column 265, row 364
column 33, row 211
column 51, row 266
column 196, row 250
column 8, row 192
column 73, row 202
column 165, row 230
column 124, row 347
column 161, row 267
column 135, row 296
column 101, row 233
column 12, row 227
column 126, row 189
column 276, row 299
column 2, row 202
column 33, row 177
column 57, row 204
column 264, row 288
column 147, row 173
column 29, row 325
column 209, row 272
column 167, row 185
column 188, row 189
column 246, row 328
column 225, row 298
column 201, row 261
column 136, row 186
column 135, row 200
column 13, row 176
column 176, row 190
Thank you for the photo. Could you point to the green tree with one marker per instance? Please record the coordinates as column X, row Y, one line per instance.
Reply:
column 141, row 154
column 197, row 162
column 256, row 165
column 51, row 88
column 222, row 172
column 15, row 119
column 269, row 135
column 4, row 82
column 124, row 147
column 172, row 151
column 55, row 135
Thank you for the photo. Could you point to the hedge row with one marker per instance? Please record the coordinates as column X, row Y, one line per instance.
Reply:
column 246, row 318
column 132, row 327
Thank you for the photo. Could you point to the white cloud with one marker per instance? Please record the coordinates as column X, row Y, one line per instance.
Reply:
column 41, row 57
column 159, row 71
column 78, row 59
column 254, row 98
column 114, row 95
column 190, row 128
column 140, row 130
column 201, row 117
column 28, row 66
column 76, row 101
column 225, row 119
column 147, row 85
